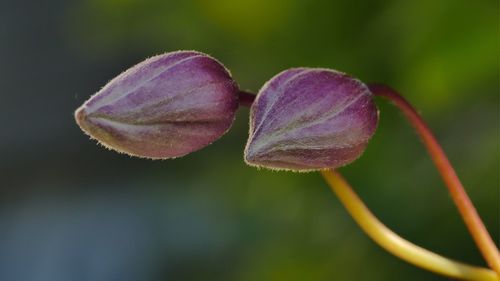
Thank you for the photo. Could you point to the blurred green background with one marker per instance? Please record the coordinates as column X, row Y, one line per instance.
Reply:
column 71, row 210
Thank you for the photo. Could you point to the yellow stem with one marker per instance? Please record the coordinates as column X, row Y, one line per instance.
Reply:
column 458, row 194
column 396, row 245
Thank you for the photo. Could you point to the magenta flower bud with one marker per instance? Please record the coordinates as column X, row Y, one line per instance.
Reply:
column 306, row 119
column 166, row 106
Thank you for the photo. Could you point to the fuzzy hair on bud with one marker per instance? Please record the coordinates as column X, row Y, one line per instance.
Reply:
column 307, row 119
column 164, row 107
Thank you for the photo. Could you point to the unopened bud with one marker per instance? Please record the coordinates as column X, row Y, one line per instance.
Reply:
column 307, row 119
column 166, row 106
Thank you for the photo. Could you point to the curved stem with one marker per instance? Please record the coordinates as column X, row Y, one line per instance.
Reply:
column 469, row 214
column 396, row 245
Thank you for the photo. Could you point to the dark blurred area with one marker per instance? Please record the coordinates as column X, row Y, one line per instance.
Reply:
column 72, row 210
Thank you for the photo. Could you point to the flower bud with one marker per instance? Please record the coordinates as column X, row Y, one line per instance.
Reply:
column 166, row 106
column 306, row 119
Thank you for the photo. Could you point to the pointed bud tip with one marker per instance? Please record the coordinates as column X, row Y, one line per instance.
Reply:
column 80, row 117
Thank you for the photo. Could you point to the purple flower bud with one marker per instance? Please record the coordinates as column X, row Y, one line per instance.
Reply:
column 166, row 106
column 306, row 119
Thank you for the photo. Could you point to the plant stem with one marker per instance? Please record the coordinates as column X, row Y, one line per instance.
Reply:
column 246, row 98
column 396, row 245
column 464, row 204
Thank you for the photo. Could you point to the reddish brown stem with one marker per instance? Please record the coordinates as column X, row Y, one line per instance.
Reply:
column 246, row 98
column 466, row 208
